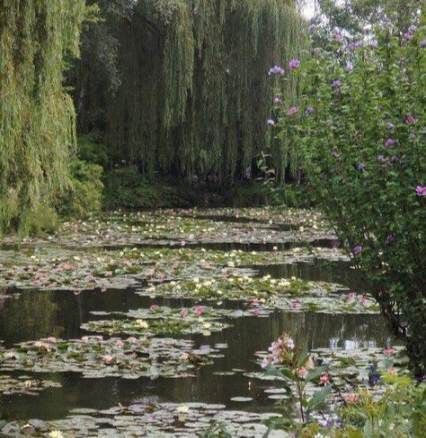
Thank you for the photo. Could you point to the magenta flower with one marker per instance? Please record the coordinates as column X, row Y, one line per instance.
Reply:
column 357, row 250
column 390, row 142
column 270, row 122
column 421, row 191
column 292, row 110
column 410, row 119
column 276, row 70
column 294, row 64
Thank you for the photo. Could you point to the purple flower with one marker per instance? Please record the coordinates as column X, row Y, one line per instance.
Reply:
column 360, row 167
column 270, row 122
column 309, row 110
column 349, row 66
column 276, row 70
column 410, row 119
column 390, row 142
column 337, row 83
column 278, row 99
column 294, row 64
column 390, row 238
column 292, row 110
column 421, row 191
column 357, row 250
column 423, row 44
column 354, row 45
column 338, row 36
column 381, row 158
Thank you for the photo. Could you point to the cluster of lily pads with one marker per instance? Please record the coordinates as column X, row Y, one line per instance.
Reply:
column 96, row 357
column 24, row 385
column 55, row 267
column 286, row 294
column 149, row 418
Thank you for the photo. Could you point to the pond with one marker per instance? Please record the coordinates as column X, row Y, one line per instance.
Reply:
column 105, row 333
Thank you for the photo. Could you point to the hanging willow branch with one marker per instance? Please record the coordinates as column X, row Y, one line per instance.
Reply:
column 36, row 116
column 195, row 96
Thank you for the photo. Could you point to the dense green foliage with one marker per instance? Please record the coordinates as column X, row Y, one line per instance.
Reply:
column 37, row 120
column 182, row 88
column 360, row 125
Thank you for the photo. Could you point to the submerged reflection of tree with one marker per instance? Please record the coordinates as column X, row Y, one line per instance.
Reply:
column 31, row 316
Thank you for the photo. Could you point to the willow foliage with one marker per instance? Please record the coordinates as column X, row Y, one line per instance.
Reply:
column 195, row 93
column 37, row 120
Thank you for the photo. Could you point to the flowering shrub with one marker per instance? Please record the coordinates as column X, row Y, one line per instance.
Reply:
column 360, row 126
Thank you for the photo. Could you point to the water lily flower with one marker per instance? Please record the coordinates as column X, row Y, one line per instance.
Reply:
column 349, row 66
column 294, row 64
column 309, row 110
column 390, row 351
column 141, row 323
column 292, row 110
column 199, row 310
column 154, row 307
column 108, row 359
column 270, row 122
column 278, row 99
column 421, row 191
column 184, row 313
column 390, row 126
column 276, row 70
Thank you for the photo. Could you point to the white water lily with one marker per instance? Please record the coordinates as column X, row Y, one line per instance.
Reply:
column 142, row 323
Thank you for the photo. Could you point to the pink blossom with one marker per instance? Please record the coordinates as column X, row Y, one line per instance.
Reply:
column 154, row 307
column 184, row 313
column 410, row 119
column 351, row 398
column 325, row 379
column 199, row 310
column 302, row 372
column 421, row 191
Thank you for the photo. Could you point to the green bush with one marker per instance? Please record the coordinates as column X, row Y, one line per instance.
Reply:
column 126, row 188
column 360, row 124
column 85, row 193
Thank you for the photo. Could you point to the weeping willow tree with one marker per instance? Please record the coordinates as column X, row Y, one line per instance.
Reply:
column 37, row 120
column 195, row 93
